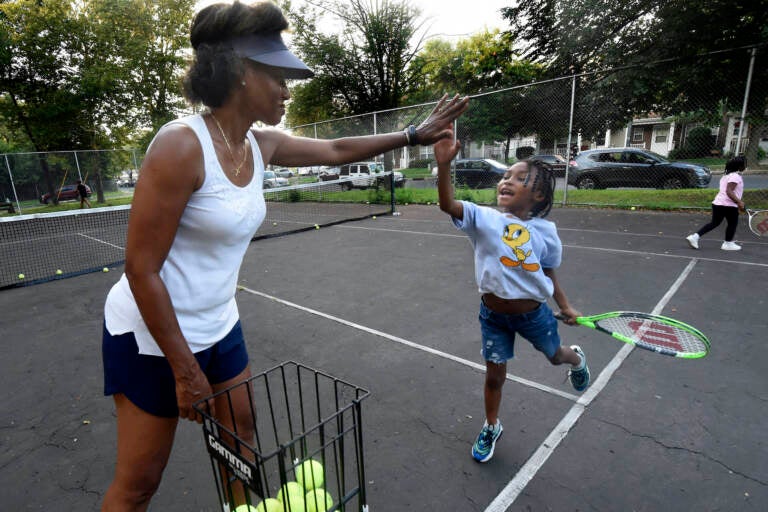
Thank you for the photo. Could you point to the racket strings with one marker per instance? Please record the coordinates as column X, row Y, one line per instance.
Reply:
column 655, row 333
column 758, row 222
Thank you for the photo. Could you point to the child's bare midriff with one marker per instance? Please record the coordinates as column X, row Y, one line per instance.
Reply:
column 509, row 306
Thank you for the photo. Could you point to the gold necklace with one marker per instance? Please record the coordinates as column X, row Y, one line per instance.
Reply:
column 236, row 170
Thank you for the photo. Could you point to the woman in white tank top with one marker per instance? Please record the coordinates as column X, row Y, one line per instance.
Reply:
column 197, row 205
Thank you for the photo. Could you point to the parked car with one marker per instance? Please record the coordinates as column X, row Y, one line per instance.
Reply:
column 477, row 172
column 325, row 171
column 65, row 193
column 363, row 175
column 556, row 162
column 272, row 180
column 308, row 171
column 328, row 173
column 632, row 167
column 284, row 173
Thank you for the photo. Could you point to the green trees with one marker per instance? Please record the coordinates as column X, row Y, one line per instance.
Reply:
column 363, row 67
column 673, row 57
column 90, row 74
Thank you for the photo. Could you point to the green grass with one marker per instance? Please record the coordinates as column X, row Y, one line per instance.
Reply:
column 646, row 199
column 416, row 173
column 610, row 198
column 714, row 163
column 110, row 199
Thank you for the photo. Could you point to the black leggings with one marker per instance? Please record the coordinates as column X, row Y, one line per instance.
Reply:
column 720, row 212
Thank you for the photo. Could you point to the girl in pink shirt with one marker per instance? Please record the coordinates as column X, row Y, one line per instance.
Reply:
column 726, row 205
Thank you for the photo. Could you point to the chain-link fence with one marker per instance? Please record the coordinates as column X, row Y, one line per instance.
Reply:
column 615, row 137
column 607, row 143
column 31, row 179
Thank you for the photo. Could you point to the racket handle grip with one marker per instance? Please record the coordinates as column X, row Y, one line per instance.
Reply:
column 560, row 316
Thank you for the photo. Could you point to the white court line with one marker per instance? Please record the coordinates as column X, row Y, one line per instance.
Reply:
column 513, row 489
column 585, row 247
column 411, row 344
column 101, row 241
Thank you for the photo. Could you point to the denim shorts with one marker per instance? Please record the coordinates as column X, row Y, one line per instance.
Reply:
column 148, row 381
column 498, row 329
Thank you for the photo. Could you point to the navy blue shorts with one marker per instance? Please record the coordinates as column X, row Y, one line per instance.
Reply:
column 147, row 381
column 538, row 326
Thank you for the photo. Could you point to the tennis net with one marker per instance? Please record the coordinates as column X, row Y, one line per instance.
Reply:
column 42, row 247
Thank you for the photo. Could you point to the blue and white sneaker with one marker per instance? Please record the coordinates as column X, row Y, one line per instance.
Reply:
column 482, row 450
column 579, row 377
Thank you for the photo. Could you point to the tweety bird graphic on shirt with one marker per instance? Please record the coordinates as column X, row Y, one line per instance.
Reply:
column 515, row 236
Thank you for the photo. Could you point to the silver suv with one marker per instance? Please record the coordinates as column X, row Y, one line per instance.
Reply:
column 633, row 167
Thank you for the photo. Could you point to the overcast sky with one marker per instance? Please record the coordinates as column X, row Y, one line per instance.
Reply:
column 450, row 19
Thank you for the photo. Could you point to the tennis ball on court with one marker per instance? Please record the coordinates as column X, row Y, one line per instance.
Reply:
column 310, row 474
column 317, row 226
column 105, row 269
column 59, row 272
column 274, row 223
column 633, row 208
column 374, row 217
column 318, row 500
column 21, row 276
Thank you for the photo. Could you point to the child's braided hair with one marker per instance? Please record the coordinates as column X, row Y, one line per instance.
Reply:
column 544, row 182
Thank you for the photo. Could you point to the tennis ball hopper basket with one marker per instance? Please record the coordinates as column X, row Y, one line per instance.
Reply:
column 297, row 414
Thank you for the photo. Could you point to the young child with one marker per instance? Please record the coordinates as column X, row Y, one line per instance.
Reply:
column 516, row 253
column 726, row 205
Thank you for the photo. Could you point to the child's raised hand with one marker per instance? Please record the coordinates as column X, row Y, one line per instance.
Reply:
column 446, row 149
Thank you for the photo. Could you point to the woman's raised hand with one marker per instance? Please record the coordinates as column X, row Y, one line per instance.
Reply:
column 439, row 122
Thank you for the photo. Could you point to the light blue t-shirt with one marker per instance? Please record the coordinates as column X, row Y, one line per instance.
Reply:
column 510, row 253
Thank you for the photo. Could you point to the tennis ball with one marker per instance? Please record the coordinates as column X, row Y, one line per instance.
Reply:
column 318, row 500
column 268, row 505
column 374, row 217
column 59, row 272
column 105, row 269
column 317, row 226
column 633, row 208
column 294, row 502
column 290, row 489
column 274, row 223
column 310, row 474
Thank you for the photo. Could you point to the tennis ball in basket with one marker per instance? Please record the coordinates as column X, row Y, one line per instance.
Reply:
column 59, row 272
column 290, row 489
column 294, row 502
column 268, row 505
column 310, row 474
column 318, row 500
column 21, row 276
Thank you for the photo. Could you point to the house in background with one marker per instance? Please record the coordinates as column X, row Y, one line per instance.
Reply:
column 662, row 135
column 654, row 133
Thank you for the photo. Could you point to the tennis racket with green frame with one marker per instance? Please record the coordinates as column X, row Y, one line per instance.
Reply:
column 659, row 334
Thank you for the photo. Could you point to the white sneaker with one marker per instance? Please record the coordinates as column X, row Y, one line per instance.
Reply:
column 693, row 240
column 730, row 246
